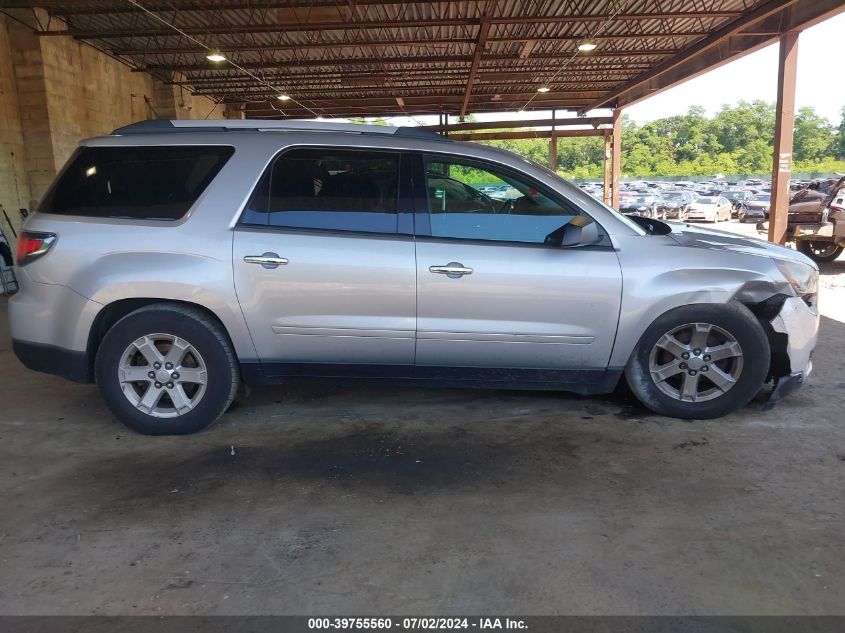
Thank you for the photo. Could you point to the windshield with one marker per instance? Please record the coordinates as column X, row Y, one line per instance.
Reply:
column 641, row 200
column 706, row 201
column 732, row 194
column 762, row 197
column 673, row 195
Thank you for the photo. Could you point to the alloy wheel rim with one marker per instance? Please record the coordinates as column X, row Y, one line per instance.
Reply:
column 696, row 362
column 162, row 375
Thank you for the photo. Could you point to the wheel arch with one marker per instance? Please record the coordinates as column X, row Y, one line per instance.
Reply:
column 762, row 296
column 116, row 310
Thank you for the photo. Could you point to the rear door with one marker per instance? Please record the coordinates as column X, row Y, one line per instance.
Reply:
column 324, row 264
column 491, row 295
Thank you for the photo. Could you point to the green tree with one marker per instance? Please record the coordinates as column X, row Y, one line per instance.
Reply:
column 813, row 137
column 736, row 141
column 839, row 140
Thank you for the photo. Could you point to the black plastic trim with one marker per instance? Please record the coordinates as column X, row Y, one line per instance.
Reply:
column 57, row 361
column 582, row 381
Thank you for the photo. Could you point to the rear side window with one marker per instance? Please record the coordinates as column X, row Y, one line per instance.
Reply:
column 328, row 189
column 146, row 183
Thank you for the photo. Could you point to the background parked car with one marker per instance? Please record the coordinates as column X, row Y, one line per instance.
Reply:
column 710, row 209
column 676, row 203
column 648, row 205
column 737, row 197
column 756, row 207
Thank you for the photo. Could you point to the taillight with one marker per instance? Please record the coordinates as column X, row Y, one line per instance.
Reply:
column 32, row 245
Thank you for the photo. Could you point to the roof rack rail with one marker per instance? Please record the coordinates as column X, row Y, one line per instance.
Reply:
column 168, row 126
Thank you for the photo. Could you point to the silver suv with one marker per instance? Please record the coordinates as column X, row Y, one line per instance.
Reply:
column 172, row 261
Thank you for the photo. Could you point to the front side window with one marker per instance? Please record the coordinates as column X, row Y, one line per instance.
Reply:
column 142, row 183
column 329, row 189
column 470, row 201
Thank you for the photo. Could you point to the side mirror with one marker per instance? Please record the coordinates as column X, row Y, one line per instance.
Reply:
column 579, row 231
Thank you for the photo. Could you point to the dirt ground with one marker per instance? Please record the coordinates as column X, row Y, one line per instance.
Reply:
column 351, row 500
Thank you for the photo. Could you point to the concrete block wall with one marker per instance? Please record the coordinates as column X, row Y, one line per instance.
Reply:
column 55, row 91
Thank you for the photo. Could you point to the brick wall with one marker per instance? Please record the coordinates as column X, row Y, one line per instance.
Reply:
column 55, row 91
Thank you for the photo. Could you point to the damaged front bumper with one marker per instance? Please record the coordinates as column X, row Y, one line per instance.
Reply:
column 798, row 320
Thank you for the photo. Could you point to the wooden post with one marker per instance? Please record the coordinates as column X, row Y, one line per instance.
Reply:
column 784, row 125
column 608, row 176
column 616, row 156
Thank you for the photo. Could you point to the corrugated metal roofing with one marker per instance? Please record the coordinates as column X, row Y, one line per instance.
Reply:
column 379, row 57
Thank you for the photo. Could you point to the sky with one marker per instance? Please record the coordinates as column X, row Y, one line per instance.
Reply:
column 820, row 83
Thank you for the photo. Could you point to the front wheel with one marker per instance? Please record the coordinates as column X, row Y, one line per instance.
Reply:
column 700, row 361
column 820, row 251
column 167, row 369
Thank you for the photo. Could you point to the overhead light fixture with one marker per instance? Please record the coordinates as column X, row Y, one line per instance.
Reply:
column 216, row 56
column 586, row 45
column 283, row 97
column 543, row 89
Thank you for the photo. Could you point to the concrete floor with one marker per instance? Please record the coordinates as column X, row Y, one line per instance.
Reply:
column 350, row 500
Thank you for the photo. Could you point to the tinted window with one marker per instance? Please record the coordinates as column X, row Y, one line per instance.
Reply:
column 513, row 211
column 342, row 190
column 149, row 183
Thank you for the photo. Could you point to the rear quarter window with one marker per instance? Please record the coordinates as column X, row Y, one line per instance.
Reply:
column 147, row 183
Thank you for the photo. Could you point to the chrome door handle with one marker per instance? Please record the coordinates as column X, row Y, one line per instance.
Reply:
column 266, row 260
column 454, row 270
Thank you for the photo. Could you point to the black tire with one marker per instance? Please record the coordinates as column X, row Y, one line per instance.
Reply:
column 203, row 333
column 831, row 253
column 735, row 319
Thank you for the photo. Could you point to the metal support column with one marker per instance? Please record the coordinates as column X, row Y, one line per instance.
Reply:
column 553, row 147
column 616, row 158
column 784, row 125
column 608, row 176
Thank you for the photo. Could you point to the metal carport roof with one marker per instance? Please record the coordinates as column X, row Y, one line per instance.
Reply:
column 387, row 57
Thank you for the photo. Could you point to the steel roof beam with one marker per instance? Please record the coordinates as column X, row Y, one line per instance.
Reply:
column 795, row 15
column 368, row 61
column 216, row 29
column 483, row 30
column 718, row 37
column 252, row 48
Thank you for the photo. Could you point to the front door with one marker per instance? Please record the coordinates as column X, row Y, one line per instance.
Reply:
column 491, row 294
column 323, row 276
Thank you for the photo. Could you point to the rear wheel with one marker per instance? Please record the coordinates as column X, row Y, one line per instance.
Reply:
column 700, row 361
column 820, row 251
column 167, row 369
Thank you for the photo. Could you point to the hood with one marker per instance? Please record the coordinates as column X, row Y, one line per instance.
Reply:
column 696, row 237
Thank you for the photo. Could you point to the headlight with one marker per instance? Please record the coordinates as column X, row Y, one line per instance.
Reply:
column 804, row 279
